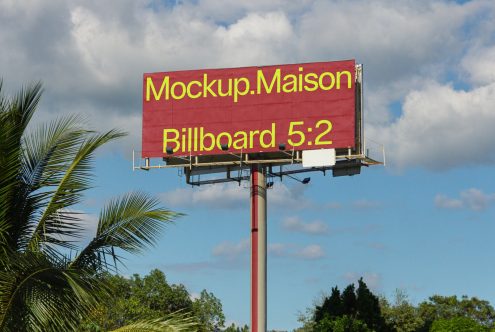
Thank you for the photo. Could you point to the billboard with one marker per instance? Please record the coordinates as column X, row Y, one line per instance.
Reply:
column 250, row 110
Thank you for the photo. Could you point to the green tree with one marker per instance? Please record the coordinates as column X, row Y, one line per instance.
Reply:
column 341, row 324
column 154, row 292
column 401, row 315
column 457, row 324
column 368, row 308
column 208, row 309
column 307, row 318
column 148, row 297
column 447, row 307
column 152, row 297
column 331, row 307
column 353, row 310
column 44, row 172
column 349, row 301
column 234, row 328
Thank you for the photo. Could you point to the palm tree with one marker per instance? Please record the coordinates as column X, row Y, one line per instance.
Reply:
column 47, row 282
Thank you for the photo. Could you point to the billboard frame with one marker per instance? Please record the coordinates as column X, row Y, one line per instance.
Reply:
column 231, row 163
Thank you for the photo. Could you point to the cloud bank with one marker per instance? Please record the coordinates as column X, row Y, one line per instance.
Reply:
column 472, row 199
column 430, row 87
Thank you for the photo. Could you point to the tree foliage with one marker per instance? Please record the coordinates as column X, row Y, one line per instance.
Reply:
column 439, row 313
column 457, row 324
column 234, row 328
column 356, row 310
column 446, row 307
column 353, row 310
column 343, row 323
column 48, row 282
column 151, row 297
column 401, row 315
column 208, row 309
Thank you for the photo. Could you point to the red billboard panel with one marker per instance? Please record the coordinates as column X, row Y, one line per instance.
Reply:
column 249, row 110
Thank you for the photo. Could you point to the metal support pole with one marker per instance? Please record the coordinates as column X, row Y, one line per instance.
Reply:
column 258, row 249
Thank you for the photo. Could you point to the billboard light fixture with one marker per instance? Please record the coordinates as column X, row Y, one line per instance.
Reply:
column 281, row 146
column 269, row 184
column 169, row 150
column 225, row 147
column 303, row 181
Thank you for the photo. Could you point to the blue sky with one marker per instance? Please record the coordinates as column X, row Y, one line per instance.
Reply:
column 392, row 229
column 423, row 224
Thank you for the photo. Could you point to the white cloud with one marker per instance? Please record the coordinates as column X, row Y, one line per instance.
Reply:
column 233, row 196
column 254, row 38
column 479, row 64
column 288, row 196
column 235, row 251
column 230, row 250
column 442, row 127
column 379, row 39
column 442, row 201
column 235, row 255
column 311, row 252
column 228, row 196
column 226, row 11
column 476, row 200
column 472, row 199
column 220, row 196
column 290, row 250
column 295, row 224
column 91, row 56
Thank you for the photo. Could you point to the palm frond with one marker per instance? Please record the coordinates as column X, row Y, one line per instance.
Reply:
column 131, row 223
column 47, row 151
column 43, row 294
column 55, row 220
column 50, row 149
column 15, row 115
column 175, row 322
column 25, row 103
